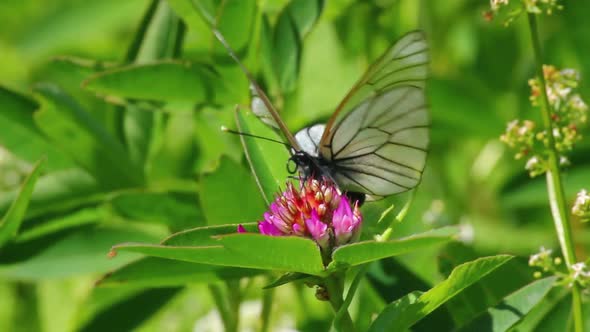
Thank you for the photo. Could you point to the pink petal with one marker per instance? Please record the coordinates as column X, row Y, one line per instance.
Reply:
column 317, row 228
column 268, row 228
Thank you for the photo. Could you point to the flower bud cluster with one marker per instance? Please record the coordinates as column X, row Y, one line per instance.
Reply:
column 568, row 113
column 509, row 10
column 581, row 206
column 580, row 274
column 548, row 265
column 545, row 261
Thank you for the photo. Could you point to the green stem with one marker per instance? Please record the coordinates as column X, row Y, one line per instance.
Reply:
column 554, row 186
column 267, row 300
column 234, row 297
column 223, row 308
column 342, row 321
column 350, row 294
column 386, row 235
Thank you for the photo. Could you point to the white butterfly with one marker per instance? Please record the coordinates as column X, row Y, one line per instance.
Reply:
column 376, row 141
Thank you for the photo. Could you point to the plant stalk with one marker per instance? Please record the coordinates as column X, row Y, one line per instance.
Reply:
column 229, row 322
column 267, row 300
column 343, row 321
column 555, row 191
column 386, row 235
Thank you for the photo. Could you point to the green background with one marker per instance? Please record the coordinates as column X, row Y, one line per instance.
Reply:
column 136, row 156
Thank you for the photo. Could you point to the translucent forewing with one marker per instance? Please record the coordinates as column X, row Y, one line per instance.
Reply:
column 377, row 139
column 405, row 63
column 259, row 93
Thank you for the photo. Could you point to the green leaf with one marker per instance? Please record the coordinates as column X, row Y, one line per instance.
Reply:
column 512, row 308
column 73, row 26
column 287, row 278
column 229, row 194
column 84, row 139
column 267, row 159
column 202, row 236
column 405, row 312
column 19, row 133
column 135, row 46
column 254, row 251
column 556, row 316
column 490, row 290
column 176, row 152
column 285, row 253
column 211, row 142
column 368, row 251
column 159, row 272
column 538, row 316
column 128, row 314
column 305, row 13
column 58, row 191
column 193, row 13
column 234, row 19
column 71, row 220
column 158, row 36
column 176, row 210
column 293, row 24
column 287, row 53
column 79, row 253
column 170, row 82
column 12, row 220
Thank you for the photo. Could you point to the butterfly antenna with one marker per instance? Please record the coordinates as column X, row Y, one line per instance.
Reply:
column 273, row 112
column 227, row 130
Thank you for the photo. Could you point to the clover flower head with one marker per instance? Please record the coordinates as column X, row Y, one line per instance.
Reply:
column 316, row 210
column 346, row 221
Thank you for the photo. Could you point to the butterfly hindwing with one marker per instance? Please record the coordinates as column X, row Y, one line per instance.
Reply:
column 386, row 152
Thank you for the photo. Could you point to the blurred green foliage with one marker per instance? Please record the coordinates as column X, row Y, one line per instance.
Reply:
column 125, row 99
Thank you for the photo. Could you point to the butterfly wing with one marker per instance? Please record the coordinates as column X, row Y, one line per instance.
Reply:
column 261, row 104
column 377, row 139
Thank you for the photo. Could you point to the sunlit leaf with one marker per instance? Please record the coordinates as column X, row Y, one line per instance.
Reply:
column 176, row 210
column 267, row 159
column 405, row 312
column 88, row 143
column 287, row 53
column 19, row 133
column 159, row 272
column 204, row 236
column 512, row 308
column 58, row 191
column 79, row 253
column 491, row 289
column 12, row 220
column 176, row 152
column 161, row 81
column 229, row 194
column 243, row 250
column 368, row 251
